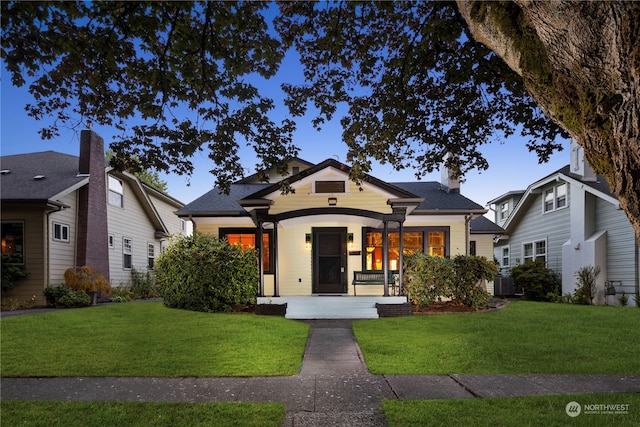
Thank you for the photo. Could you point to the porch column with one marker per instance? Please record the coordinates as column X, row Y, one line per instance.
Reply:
column 385, row 257
column 260, row 263
column 401, row 256
column 276, row 271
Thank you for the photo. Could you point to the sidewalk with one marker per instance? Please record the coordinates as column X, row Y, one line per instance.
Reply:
column 333, row 388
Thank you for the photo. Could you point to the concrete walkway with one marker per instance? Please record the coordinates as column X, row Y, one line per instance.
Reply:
column 333, row 388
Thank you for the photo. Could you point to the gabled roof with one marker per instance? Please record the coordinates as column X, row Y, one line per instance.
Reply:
column 599, row 188
column 253, row 178
column 437, row 200
column 396, row 191
column 60, row 172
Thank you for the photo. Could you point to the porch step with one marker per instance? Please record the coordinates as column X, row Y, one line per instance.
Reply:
column 332, row 307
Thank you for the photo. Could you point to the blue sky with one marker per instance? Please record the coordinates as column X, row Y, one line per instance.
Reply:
column 512, row 166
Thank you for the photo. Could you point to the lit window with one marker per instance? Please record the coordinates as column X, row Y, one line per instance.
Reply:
column 127, row 253
column 116, row 192
column 60, row 232
column 246, row 237
column 13, row 241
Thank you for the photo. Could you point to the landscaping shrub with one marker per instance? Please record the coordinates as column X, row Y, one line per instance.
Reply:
column 202, row 273
column 586, row 290
column 75, row 299
column 428, row 279
column 143, row 284
column 12, row 273
column 53, row 294
column 471, row 272
column 536, row 279
column 86, row 279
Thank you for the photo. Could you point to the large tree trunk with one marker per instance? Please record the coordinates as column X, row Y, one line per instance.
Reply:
column 580, row 60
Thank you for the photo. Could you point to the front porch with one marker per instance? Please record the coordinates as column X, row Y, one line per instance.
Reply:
column 333, row 307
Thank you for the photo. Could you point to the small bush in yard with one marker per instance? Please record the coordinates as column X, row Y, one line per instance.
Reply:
column 471, row 272
column 586, row 290
column 143, row 284
column 536, row 279
column 428, row 279
column 203, row 273
column 75, row 299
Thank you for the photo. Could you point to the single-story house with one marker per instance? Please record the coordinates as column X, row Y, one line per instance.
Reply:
column 314, row 238
column 570, row 219
column 61, row 211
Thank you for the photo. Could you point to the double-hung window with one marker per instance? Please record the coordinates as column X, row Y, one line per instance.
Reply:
column 116, row 192
column 151, row 255
column 555, row 198
column 127, row 253
column 535, row 251
column 505, row 257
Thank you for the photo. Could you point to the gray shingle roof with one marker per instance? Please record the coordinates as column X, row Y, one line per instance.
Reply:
column 483, row 225
column 215, row 203
column 436, row 197
column 59, row 171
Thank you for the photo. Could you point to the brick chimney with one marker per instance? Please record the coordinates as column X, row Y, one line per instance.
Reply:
column 92, row 246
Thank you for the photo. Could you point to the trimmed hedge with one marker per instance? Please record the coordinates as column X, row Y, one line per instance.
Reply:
column 203, row 273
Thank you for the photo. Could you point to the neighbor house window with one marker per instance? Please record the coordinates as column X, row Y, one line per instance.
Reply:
column 247, row 238
column 505, row 256
column 504, row 210
column 151, row 255
column 555, row 198
column 112, row 241
column 472, row 247
column 116, row 192
column 533, row 251
column 330, row 187
column 413, row 241
column 127, row 253
column 60, row 232
column 13, row 241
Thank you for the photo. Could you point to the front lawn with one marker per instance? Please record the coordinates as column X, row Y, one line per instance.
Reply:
column 548, row 411
column 87, row 414
column 522, row 338
column 149, row 339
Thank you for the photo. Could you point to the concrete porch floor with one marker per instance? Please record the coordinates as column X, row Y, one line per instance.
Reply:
column 332, row 306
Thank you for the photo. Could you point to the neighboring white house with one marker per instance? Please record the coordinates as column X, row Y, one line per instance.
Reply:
column 570, row 219
column 61, row 211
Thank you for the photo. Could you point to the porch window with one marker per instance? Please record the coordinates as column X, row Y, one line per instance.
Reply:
column 247, row 238
column 13, row 241
column 413, row 241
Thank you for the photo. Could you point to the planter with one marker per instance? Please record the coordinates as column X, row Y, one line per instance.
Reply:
column 394, row 310
column 271, row 309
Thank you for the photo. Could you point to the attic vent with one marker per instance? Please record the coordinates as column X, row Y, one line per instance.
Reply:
column 5, row 172
column 39, row 177
column 330, row 187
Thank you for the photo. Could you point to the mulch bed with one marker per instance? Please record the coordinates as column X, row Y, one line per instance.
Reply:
column 456, row 308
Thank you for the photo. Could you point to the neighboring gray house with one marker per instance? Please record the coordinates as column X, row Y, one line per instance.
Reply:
column 61, row 211
column 570, row 219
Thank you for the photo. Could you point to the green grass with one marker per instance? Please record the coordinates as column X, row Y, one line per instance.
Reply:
column 547, row 411
column 149, row 339
column 51, row 414
column 524, row 337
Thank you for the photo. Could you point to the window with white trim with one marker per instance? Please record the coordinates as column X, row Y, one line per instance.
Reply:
column 504, row 261
column 535, row 251
column 555, row 198
column 127, row 253
column 151, row 255
column 116, row 192
column 112, row 241
column 504, row 210
column 60, row 232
